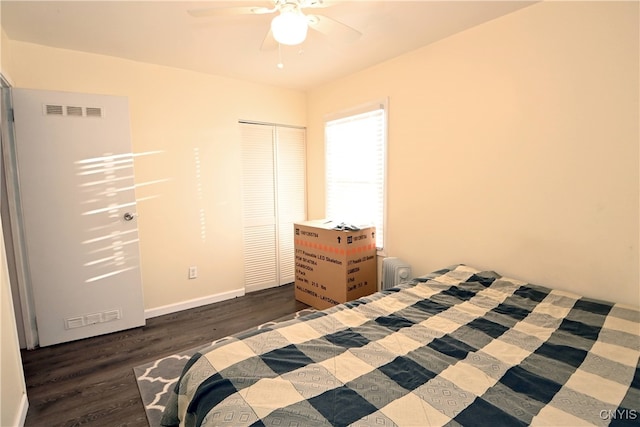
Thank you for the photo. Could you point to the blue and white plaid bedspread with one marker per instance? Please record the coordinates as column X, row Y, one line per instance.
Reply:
column 461, row 347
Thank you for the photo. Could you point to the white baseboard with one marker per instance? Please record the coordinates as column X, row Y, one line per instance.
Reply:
column 255, row 288
column 193, row 303
column 21, row 416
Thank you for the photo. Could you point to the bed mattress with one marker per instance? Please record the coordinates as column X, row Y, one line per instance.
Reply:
column 457, row 347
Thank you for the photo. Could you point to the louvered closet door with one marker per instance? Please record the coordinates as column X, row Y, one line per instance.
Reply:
column 259, row 206
column 291, row 195
column 273, row 159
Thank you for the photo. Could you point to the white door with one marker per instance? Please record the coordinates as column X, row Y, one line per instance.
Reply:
column 76, row 184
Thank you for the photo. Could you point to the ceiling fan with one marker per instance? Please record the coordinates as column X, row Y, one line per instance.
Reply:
column 290, row 26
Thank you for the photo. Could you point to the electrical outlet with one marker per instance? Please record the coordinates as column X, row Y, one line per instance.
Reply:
column 193, row 272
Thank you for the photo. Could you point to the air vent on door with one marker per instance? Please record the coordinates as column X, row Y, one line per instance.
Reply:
column 72, row 110
column 94, row 112
column 53, row 110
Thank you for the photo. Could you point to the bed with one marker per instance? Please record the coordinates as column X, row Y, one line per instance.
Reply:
column 456, row 347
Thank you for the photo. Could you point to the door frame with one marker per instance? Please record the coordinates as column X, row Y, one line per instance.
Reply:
column 14, row 242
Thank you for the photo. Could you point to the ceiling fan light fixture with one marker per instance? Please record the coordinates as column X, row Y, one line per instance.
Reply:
column 290, row 27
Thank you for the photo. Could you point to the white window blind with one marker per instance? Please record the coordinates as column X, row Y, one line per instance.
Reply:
column 274, row 197
column 355, row 149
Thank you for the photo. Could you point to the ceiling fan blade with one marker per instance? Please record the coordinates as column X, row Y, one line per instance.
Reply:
column 224, row 11
column 316, row 4
column 333, row 29
column 269, row 42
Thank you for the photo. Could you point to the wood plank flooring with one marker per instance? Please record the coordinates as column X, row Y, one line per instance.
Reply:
column 91, row 381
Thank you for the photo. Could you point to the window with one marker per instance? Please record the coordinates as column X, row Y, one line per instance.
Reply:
column 355, row 149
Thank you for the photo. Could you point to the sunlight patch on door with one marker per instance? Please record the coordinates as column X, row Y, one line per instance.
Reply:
column 107, row 183
column 110, row 274
column 109, row 212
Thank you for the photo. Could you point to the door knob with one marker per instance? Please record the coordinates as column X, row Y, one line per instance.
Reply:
column 128, row 216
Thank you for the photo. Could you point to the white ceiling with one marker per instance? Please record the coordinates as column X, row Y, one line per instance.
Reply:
column 162, row 32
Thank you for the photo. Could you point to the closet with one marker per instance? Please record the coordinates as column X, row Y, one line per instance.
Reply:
column 274, row 197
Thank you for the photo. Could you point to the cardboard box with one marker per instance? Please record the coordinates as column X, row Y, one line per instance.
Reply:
column 333, row 266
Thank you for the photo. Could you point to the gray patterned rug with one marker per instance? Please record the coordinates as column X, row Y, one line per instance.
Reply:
column 156, row 379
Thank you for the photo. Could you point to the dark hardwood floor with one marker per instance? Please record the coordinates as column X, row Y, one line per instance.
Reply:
column 91, row 381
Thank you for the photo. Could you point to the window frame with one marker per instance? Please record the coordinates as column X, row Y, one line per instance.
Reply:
column 379, row 104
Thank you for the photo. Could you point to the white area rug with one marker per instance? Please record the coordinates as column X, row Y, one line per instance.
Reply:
column 155, row 379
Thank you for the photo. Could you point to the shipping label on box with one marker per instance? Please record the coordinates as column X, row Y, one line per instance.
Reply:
column 333, row 266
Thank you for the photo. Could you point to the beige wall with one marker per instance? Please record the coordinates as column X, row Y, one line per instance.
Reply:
column 513, row 146
column 5, row 54
column 193, row 216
